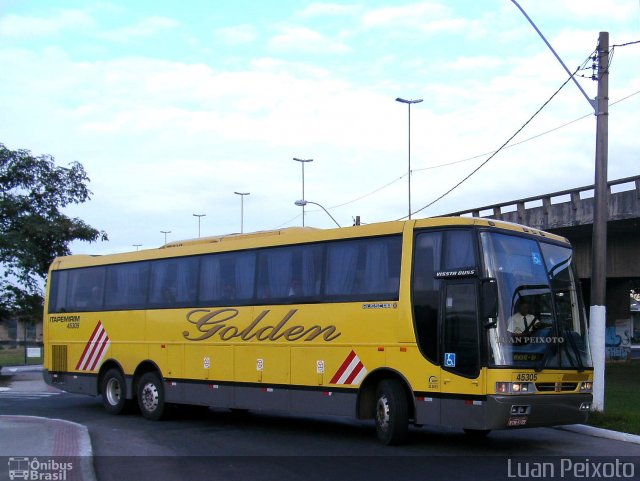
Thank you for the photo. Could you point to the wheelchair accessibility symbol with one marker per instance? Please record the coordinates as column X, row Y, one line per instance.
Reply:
column 449, row 359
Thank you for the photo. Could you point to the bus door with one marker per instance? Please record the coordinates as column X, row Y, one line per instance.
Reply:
column 445, row 300
column 461, row 378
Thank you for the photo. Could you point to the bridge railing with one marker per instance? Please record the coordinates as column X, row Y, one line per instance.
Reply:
column 546, row 199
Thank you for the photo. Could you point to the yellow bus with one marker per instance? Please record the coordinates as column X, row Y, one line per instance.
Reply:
column 470, row 323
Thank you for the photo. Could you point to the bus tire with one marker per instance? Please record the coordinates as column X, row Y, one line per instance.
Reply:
column 151, row 396
column 391, row 412
column 114, row 392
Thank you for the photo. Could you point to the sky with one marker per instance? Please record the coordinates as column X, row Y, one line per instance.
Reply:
column 171, row 107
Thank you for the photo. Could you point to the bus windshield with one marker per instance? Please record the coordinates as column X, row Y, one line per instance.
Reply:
column 540, row 320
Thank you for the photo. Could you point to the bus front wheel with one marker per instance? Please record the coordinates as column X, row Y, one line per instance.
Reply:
column 391, row 412
column 151, row 396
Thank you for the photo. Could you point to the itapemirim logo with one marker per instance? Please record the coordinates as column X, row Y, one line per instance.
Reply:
column 34, row 469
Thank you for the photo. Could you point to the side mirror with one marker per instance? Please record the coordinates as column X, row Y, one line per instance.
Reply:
column 489, row 302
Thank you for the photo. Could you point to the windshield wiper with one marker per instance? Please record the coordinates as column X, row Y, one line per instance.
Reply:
column 576, row 351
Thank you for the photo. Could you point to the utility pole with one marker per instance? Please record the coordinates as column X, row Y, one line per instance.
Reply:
column 598, row 309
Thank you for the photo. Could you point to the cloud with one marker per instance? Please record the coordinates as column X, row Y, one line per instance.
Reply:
column 236, row 35
column 328, row 9
column 472, row 63
column 145, row 27
column 19, row 26
column 164, row 138
column 302, row 39
column 415, row 14
column 607, row 10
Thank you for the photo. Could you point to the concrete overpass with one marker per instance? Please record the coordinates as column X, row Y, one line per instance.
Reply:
column 570, row 213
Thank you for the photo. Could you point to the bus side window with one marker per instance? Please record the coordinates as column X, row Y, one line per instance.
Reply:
column 58, row 291
column 86, row 289
column 173, row 282
column 426, row 292
column 365, row 269
column 227, row 278
column 127, row 285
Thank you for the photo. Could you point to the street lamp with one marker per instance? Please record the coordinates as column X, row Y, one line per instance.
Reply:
column 409, row 102
column 242, row 194
column 165, row 232
column 302, row 161
column 302, row 203
column 137, row 246
column 199, row 216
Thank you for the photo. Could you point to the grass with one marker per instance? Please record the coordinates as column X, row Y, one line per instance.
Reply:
column 15, row 357
column 621, row 395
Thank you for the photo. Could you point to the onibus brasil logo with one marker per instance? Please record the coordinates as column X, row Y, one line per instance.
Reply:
column 38, row 470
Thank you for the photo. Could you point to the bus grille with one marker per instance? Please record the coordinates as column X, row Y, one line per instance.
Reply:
column 556, row 386
column 59, row 358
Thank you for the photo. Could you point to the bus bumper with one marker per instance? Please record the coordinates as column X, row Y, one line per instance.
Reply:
column 506, row 412
column 75, row 383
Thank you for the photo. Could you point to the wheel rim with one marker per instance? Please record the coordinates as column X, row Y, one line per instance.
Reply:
column 113, row 391
column 150, row 396
column 382, row 413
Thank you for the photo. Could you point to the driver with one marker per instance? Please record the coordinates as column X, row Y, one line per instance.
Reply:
column 523, row 321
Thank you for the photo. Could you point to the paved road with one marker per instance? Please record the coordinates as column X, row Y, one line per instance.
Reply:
column 219, row 444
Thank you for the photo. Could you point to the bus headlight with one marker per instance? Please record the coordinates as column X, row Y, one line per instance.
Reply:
column 514, row 387
column 586, row 386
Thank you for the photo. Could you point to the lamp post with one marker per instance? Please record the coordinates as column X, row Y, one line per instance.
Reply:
column 302, row 161
column 302, row 203
column 409, row 102
column 137, row 246
column 165, row 232
column 199, row 216
column 242, row 194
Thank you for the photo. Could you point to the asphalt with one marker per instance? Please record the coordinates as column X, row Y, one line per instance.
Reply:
column 38, row 437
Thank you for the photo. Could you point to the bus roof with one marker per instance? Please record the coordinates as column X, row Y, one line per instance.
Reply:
column 290, row 235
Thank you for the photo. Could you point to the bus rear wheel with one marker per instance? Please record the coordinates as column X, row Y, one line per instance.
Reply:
column 114, row 392
column 391, row 412
column 151, row 396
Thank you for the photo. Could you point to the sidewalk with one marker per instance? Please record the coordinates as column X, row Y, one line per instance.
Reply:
column 46, row 447
column 33, row 441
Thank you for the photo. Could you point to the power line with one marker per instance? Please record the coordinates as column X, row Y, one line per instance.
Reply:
column 625, row 44
column 467, row 159
column 501, row 147
column 491, row 153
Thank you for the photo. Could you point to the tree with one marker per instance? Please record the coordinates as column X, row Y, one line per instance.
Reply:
column 33, row 228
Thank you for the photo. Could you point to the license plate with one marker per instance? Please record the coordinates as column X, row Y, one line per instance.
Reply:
column 513, row 422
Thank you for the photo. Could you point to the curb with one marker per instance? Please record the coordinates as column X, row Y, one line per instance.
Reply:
column 70, row 440
column 601, row 433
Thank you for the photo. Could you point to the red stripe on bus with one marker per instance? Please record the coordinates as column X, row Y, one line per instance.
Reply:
column 87, row 346
column 94, row 346
column 359, row 367
column 100, row 353
column 343, row 368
